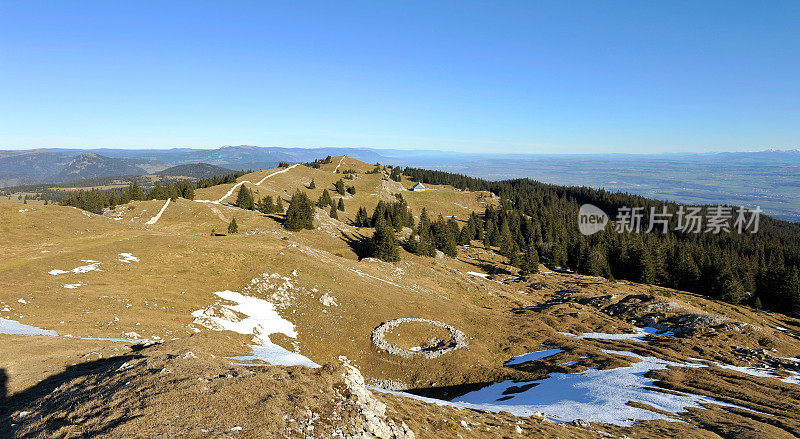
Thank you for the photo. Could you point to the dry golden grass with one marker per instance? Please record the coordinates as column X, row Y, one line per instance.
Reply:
column 181, row 266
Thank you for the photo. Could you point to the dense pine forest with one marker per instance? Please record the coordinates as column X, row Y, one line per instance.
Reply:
column 759, row 269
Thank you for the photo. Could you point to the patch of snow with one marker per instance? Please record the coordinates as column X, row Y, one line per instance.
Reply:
column 640, row 335
column 17, row 328
column 90, row 266
column 475, row 273
column 761, row 372
column 533, row 356
column 781, row 328
column 127, row 258
column 261, row 321
column 593, row 395
column 72, row 286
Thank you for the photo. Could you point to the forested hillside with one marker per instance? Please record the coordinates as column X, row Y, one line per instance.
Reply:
column 760, row 269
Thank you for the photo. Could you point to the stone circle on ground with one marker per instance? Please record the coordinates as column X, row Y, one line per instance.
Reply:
column 458, row 339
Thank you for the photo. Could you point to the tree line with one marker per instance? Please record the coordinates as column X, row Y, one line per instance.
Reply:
column 96, row 200
column 760, row 269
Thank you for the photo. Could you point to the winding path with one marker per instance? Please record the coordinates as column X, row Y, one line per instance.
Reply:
column 230, row 192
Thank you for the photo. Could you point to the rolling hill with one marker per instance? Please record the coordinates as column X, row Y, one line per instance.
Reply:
column 139, row 322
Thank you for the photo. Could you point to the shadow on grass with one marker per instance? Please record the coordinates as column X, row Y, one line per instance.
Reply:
column 43, row 396
column 359, row 243
column 448, row 393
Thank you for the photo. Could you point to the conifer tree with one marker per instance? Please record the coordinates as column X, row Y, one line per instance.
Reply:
column 362, row 219
column 300, row 214
column 384, row 243
column 312, row 185
column 279, row 205
column 266, row 205
column 340, row 187
column 444, row 237
column 324, row 199
column 244, row 200
column 233, row 227
column 351, row 190
column 340, row 206
column 507, row 244
column 133, row 193
column 530, row 260
column 333, row 214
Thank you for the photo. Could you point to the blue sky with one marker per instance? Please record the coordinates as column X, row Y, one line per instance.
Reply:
column 522, row 77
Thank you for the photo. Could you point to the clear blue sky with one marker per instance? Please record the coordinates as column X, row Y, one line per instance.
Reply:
column 527, row 76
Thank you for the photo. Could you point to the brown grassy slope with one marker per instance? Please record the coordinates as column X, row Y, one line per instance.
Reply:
column 181, row 266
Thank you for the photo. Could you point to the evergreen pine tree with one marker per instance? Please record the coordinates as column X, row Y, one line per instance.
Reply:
column 362, row 219
column 244, row 200
column 324, row 199
column 312, row 185
column 233, row 227
column 530, row 260
column 333, row 213
column 508, row 247
column 300, row 214
column 340, row 187
column 341, row 205
column 266, row 205
column 279, row 205
column 384, row 243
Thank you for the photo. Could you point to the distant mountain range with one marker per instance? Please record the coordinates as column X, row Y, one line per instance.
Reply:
column 770, row 178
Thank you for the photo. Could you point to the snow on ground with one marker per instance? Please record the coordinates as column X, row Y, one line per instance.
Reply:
column 475, row 273
column 127, row 258
column 593, row 395
column 533, row 356
column 640, row 335
column 73, row 286
column 261, row 321
column 90, row 266
column 17, row 328
column 762, row 372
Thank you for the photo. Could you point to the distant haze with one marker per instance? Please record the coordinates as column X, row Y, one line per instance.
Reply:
column 769, row 179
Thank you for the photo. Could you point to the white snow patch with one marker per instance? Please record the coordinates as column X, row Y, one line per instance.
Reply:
column 90, row 266
column 593, row 395
column 261, row 321
column 640, row 335
column 17, row 328
column 762, row 372
column 533, row 356
column 475, row 273
column 73, row 286
column 127, row 258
